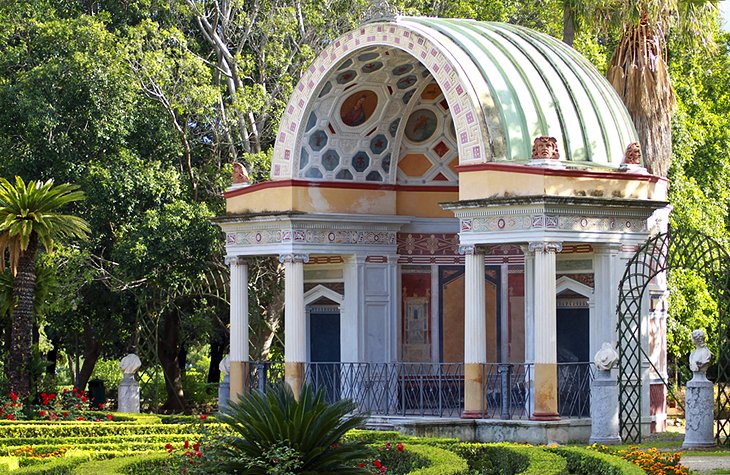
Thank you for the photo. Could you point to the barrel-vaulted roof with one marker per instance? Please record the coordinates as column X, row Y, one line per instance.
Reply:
column 502, row 85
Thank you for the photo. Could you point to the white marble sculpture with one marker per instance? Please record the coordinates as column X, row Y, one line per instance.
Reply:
column 699, row 397
column 130, row 364
column 128, row 397
column 224, row 388
column 606, row 358
column 699, row 359
column 604, row 399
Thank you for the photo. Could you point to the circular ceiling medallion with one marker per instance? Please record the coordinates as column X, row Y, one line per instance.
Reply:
column 358, row 108
column 421, row 125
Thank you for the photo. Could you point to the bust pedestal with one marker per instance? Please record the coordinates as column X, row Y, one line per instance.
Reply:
column 604, row 409
column 698, row 407
column 224, row 393
column 128, row 397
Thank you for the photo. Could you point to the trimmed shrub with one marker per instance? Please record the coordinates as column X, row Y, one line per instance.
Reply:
column 510, row 459
column 8, row 463
column 86, row 429
column 584, row 461
column 441, row 461
column 137, row 465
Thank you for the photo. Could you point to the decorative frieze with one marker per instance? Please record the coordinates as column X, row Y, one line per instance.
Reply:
column 551, row 222
column 262, row 237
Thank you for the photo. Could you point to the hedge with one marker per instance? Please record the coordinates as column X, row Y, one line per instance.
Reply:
column 510, row 459
column 137, row 465
column 8, row 463
column 584, row 461
column 12, row 444
column 87, row 429
column 442, row 461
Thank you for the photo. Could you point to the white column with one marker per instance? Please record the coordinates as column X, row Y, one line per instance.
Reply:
column 351, row 333
column 238, row 325
column 475, row 325
column 295, row 330
column 475, row 331
column 607, row 272
column 546, row 381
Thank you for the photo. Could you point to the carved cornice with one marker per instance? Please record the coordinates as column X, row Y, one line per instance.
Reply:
column 237, row 260
column 471, row 250
column 294, row 258
column 545, row 247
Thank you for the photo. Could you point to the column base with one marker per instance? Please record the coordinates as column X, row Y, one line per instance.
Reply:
column 238, row 377
column 545, row 417
column 294, row 377
column 605, row 440
column 473, row 387
column 472, row 415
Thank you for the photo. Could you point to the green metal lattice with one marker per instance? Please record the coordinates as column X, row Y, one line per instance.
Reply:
column 676, row 249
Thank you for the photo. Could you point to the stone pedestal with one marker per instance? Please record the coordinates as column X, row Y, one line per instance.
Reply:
column 128, row 397
column 604, row 409
column 698, row 407
column 475, row 332
column 224, row 391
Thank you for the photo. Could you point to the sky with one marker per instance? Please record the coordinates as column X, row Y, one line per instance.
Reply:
column 725, row 11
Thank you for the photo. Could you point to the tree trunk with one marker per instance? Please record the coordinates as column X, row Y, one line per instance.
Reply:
column 568, row 24
column 92, row 351
column 216, row 356
column 168, row 352
column 21, row 338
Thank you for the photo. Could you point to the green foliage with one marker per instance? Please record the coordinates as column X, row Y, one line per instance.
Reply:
column 506, row 458
column 584, row 461
column 309, row 426
column 137, row 465
column 440, row 461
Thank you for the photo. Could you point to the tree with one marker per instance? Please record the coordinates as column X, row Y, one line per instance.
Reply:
column 29, row 218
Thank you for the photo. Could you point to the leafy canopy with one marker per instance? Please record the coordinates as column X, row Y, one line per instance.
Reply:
column 30, row 211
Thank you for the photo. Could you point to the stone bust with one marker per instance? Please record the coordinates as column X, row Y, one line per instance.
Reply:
column 240, row 174
column 606, row 358
column 699, row 359
column 225, row 365
column 130, row 364
column 632, row 156
column 545, row 148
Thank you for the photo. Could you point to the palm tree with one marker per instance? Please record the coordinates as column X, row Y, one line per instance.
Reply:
column 638, row 68
column 29, row 218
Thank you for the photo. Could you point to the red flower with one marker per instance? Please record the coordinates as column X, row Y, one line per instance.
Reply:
column 361, row 465
column 382, row 469
column 199, row 454
column 168, row 447
column 80, row 418
column 196, row 446
column 101, row 405
column 13, row 396
column 10, row 417
column 203, row 417
column 44, row 395
column 109, row 416
column 65, row 390
column 399, row 447
column 52, row 396
column 65, row 414
column 83, row 398
column 186, row 445
column 387, row 445
column 42, row 413
column 377, row 463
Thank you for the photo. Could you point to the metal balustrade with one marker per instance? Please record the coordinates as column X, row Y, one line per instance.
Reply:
column 434, row 389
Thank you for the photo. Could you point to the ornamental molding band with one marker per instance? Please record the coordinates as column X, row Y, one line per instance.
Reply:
column 264, row 237
column 237, row 260
column 552, row 222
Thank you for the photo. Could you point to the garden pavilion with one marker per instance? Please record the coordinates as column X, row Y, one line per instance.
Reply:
column 439, row 260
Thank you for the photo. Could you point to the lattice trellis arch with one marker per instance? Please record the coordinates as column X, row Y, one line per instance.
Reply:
column 676, row 249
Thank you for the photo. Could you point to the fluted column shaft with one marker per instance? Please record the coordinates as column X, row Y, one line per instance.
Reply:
column 295, row 331
column 545, row 330
column 238, row 325
column 475, row 331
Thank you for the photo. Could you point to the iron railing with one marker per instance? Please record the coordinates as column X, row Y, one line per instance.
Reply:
column 434, row 389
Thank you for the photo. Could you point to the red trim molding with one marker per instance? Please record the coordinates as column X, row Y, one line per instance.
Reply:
column 514, row 168
column 338, row 185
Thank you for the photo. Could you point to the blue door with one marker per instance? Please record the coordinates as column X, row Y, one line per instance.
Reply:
column 324, row 352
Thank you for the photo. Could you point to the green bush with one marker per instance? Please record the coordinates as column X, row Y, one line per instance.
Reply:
column 275, row 428
column 86, row 429
column 510, row 459
column 584, row 461
column 441, row 461
column 8, row 463
column 137, row 465
column 9, row 445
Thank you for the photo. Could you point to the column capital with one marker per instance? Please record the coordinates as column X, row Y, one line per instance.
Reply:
column 470, row 250
column 237, row 260
column 294, row 258
column 545, row 247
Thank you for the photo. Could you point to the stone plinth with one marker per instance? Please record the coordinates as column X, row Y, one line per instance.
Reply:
column 604, row 409
column 128, row 397
column 698, row 407
column 224, row 392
